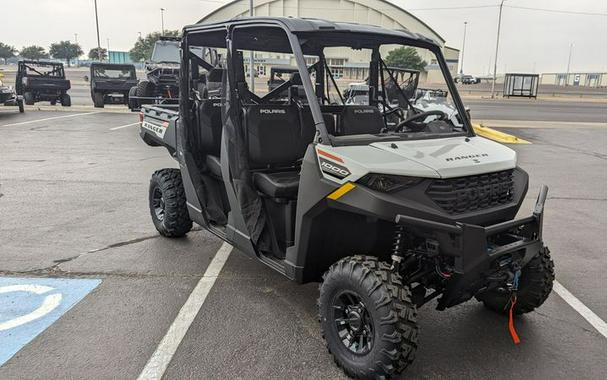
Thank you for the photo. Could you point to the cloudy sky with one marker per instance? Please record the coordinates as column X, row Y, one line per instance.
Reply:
column 531, row 39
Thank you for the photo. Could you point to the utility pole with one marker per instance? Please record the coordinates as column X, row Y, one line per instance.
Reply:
column 461, row 68
column 76, row 37
column 162, row 20
column 497, row 46
column 252, row 59
column 98, row 39
column 108, row 50
column 569, row 64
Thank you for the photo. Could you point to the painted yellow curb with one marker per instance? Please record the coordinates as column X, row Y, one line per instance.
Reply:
column 496, row 135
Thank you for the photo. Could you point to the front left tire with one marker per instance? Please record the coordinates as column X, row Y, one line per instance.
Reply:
column 367, row 318
column 168, row 204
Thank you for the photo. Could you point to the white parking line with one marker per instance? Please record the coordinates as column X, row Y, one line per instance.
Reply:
column 158, row 363
column 578, row 306
column 50, row 118
column 124, row 126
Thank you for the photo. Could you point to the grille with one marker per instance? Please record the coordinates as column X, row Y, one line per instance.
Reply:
column 479, row 192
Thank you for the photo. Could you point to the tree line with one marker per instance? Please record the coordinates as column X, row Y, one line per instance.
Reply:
column 68, row 51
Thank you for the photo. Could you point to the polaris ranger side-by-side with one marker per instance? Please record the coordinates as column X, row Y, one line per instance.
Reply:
column 111, row 82
column 42, row 81
column 388, row 217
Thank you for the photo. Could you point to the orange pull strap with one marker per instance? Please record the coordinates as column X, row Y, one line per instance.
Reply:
column 513, row 333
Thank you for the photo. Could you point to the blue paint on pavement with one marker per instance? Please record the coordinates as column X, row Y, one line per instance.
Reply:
column 28, row 306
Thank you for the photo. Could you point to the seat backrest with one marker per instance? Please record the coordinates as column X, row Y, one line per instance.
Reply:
column 358, row 120
column 274, row 135
column 210, row 126
column 214, row 80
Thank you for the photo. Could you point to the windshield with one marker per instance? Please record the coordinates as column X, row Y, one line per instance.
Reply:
column 107, row 73
column 166, row 51
column 408, row 94
column 43, row 69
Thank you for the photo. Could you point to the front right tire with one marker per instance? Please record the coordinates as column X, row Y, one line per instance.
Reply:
column 168, row 203
column 367, row 318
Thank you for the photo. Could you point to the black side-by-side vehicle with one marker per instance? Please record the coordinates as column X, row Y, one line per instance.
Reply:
column 111, row 82
column 42, row 81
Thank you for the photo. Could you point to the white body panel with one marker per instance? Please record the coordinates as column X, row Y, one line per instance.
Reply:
column 433, row 158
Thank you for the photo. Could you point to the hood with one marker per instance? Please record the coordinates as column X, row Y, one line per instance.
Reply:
column 454, row 157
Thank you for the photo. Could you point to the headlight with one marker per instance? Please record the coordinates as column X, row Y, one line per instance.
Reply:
column 387, row 183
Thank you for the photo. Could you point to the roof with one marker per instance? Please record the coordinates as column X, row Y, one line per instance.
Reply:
column 308, row 25
column 442, row 40
column 40, row 62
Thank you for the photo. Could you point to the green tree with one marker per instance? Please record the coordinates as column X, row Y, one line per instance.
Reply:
column 65, row 50
column 405, row 57
column 33, row 52
column 99, row 56
column 7, row 51
column 142, row 51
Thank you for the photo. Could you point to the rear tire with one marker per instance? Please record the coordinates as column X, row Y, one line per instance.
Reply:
column 536, row 282
column 66, row 100
column 28, row 97
column 21, row 107
column 145, row 89
column 98, row 101
column 367, row 318
column 168, row 203
column 133, row 103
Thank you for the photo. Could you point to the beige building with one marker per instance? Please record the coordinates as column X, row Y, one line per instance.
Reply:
column 344, row 63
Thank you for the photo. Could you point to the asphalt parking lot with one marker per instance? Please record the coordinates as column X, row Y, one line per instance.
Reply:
column 73, row 205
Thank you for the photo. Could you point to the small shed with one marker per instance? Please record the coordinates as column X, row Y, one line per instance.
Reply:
column 521, row 85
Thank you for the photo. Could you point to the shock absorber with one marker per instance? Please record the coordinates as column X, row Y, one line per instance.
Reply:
column 398, row 247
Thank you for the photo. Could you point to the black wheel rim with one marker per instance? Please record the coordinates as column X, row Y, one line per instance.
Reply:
column 158, row 204
column 353, row 323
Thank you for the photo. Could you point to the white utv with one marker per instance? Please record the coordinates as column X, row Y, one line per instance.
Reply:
column 386, row 216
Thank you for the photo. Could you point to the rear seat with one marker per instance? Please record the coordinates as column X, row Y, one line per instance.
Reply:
column 275, row 142
column 209, row 117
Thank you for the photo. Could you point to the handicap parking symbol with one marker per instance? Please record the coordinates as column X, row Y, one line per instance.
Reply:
column 28, row 306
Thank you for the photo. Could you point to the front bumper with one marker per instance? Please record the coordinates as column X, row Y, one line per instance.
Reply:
column 480, row 251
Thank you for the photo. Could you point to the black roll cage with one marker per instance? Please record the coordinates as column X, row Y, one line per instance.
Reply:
column 311, row 91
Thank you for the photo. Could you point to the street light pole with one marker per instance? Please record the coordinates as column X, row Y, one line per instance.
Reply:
column 252, row 58
column 569, row 64
column 497, row 46
column 162, row 19
column 76, row 37
column 108, row 50
column 98, row 39
column 461, row 68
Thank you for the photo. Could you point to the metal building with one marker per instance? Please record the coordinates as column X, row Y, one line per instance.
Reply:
column 345, row 65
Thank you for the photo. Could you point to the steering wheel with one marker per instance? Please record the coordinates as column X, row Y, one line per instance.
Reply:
column 413, row 123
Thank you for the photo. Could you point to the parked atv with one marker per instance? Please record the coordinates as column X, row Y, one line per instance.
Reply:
column 162, row 76
column 39, row 81
column 387, row 217
column 110, row 83
column 8, row 96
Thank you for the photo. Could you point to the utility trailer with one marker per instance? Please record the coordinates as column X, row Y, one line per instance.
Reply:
column 39, row 81
column 110, row 83
column 387, row 217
